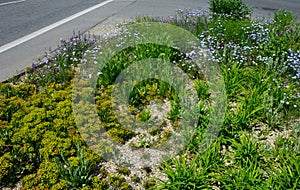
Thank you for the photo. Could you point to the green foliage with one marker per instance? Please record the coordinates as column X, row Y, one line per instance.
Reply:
column 145, row 115
column 126, row 57
column 229, row 30
column 121, row 134
column 76, row 174
column 286, row 169
column 118, row 182
column 53, row 145
column 283, row 19
column 193, row 171
column 135, row 179
column 99, row 183
column 35, row 127
column 6, row 167
column 46, row 176
column 284, row 36
column 150, row 184
column 57, row 67
column 124, row 170
column 154, row 130
column 246, row 150
column 234, row 9
column 250, row 177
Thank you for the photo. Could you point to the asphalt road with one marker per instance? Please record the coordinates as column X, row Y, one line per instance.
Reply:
column 24, row 17
column 267, row 7
column 20, row 18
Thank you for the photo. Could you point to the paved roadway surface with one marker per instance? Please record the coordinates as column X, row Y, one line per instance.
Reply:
column 20, row 45
column 267, row 7
column 24, row 17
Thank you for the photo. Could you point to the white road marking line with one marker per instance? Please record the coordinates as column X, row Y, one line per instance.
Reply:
column 12, row 2
column 50, row 27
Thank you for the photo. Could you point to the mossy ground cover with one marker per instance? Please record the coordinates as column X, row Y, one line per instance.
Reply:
column 257, row 147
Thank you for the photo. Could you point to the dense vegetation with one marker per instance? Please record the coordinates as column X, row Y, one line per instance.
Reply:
column 257, row 147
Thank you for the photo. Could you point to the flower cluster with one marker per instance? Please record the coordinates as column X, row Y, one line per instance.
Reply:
column 58, row 65
column 258, row 33
column 293, row 61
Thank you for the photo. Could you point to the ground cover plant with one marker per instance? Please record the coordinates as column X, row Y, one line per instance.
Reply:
column 257, row 147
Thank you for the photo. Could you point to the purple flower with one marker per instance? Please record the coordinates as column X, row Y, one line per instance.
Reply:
column 34, row 65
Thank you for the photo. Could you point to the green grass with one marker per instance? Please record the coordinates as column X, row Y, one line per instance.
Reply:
column 256, row 148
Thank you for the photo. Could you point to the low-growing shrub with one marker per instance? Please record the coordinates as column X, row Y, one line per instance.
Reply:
column 118, row 182
column 46, row 176
column 233, row 9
